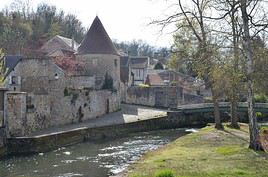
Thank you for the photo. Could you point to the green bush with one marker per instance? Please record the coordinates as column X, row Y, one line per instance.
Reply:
column 208, row 99
column 260, row 98
column 165, row 173
column 260, row 115
column 143, row 86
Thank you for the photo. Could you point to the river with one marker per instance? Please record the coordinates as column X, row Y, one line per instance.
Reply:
column 98, row 159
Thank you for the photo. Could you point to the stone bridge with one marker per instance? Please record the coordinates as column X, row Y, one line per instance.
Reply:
column 224, row 107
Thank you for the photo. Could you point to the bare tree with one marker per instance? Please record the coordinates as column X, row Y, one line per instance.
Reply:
column 248, row 53
column 195, row 21
column 254, row 21
column 229, row 12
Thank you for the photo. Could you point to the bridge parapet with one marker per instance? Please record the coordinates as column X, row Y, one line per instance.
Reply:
column 224, row 106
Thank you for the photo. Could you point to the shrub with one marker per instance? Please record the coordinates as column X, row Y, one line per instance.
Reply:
column 260, row 98
column 174, row 83
column 143, row 85
column 159, row 66
column 260, row 115
column 165, row 173
column 208, row 99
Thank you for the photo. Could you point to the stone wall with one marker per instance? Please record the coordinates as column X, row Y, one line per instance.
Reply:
column 54, row 98
column 102, row 64
column 192, row 99
column 141, row 96
column 53, row 141
column 162, row 96
column 15, row 113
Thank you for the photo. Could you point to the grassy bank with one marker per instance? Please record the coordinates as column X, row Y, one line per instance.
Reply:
column 207, row 153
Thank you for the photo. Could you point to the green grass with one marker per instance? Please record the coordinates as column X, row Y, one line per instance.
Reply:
column 207, row 153
column 264, row 128
column 164, row 173
column 229, row 150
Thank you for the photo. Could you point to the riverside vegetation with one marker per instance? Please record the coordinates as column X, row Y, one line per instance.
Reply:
column 209, row 153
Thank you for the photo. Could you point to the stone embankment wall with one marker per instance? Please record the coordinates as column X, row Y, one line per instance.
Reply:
column 53, row 141
column 162, row 96
column 49, row 142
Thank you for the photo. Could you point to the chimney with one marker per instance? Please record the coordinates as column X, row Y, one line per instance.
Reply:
column 73, row 43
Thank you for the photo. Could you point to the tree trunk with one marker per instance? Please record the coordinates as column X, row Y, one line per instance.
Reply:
column 234, row 118
column 253, row 126
column 218, row 124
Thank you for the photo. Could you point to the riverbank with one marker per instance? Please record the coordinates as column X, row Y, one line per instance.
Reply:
column 209, row 153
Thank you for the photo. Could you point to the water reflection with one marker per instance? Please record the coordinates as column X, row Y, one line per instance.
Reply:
column 88, row 159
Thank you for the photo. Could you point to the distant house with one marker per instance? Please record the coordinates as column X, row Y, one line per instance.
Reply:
column 124, row 69
column 170, row 78
column 125, row 76
column 138, row 68
column 59, row 46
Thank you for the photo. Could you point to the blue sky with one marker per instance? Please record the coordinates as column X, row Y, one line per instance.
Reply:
column 124, row 20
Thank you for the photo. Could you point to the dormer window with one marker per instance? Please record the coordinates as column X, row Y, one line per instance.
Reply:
column 14, row 80
column 56, row 76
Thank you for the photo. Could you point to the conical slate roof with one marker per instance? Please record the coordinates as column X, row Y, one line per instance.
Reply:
column 97, row 41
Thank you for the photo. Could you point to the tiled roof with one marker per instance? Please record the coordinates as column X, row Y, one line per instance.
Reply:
column 154, row 79
column 11, row 62
column 139, row 62
column 97, row 41
column 69, row 42
column 57, row 43
column 159, row 77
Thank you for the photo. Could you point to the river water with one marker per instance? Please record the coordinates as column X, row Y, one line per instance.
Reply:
column 98, row 159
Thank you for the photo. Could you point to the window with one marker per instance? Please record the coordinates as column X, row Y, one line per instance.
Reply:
column 56, row 76
column 95, row 62
column 29, row 104
column 13, row 80
column 115, row 62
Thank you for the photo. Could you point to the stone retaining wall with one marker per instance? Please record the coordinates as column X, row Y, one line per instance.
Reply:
column 53, row 141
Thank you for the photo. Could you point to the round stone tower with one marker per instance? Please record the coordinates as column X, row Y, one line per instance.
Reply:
column 101, row 58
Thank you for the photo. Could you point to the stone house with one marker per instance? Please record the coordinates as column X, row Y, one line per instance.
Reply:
column 138, row 68
column 52, row 91
column 165, row 88
column 59, row 46
column 171, row 78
